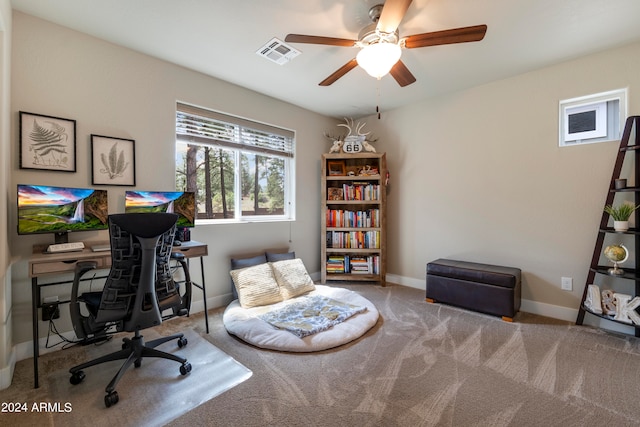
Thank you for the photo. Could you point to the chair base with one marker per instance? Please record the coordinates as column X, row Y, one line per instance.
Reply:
column 133, row 350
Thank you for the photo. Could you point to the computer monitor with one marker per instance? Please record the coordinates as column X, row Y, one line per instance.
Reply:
column 61, row 210
column 182, row 203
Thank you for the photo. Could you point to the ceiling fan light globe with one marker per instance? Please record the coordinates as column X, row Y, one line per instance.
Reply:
column 377, row 59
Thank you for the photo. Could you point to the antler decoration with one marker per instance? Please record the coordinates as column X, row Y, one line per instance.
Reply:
column 355, row 130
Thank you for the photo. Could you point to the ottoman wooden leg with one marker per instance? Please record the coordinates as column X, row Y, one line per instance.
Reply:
column 507, row 319
column 431, row 300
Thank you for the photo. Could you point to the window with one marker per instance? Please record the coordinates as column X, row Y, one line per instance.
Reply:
column 592, row 118
column 240, row 170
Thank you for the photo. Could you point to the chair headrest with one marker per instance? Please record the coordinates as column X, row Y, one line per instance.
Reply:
column 145, row 224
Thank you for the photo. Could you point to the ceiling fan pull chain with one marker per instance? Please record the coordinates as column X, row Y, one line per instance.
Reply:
column 378, row 98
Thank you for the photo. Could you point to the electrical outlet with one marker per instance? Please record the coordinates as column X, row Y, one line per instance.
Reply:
column 50, row 311
column 567, row 283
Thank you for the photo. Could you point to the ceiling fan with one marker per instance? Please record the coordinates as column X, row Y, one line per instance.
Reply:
column 381, row 45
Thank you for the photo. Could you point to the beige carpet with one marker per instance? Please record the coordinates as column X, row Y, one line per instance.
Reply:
column 433, row 365
column 151, row 395
column 420, row 365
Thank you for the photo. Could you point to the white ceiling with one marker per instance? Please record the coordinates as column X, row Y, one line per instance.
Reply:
column 220, row 38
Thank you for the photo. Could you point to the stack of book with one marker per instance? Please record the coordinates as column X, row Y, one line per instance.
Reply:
column 337, row 264
column 360, row 265
column 365, row 264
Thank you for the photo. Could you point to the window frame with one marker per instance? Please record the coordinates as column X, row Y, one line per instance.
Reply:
column 239, row 145
column 610, row 109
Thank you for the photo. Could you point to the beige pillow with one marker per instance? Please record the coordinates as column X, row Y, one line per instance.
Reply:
column 256, row 286
column 292, row 277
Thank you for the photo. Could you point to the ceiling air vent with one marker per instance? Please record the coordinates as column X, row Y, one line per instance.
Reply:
column 277, row 51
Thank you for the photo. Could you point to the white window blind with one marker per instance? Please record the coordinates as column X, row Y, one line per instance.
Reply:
column 205, row 127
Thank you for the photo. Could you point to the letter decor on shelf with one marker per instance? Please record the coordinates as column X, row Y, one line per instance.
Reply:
column 626, row 308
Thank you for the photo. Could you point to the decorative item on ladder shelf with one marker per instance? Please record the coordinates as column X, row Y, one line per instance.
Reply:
column 621, row 215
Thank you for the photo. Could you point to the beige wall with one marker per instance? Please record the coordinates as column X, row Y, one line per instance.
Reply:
column 114, row 91
column 478, row 175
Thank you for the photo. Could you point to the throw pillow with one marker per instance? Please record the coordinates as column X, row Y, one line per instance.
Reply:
column 256, row 286
column 292, row 277
column 237, row 263
column 279, row 256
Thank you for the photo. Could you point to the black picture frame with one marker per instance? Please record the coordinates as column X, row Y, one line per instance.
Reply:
column 113, row 161
column 47, row 143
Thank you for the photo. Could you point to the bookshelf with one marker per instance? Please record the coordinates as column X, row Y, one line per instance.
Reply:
column 353, row 217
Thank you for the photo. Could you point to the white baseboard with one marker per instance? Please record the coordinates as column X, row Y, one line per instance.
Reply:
column 6, row 373
column 539, row 308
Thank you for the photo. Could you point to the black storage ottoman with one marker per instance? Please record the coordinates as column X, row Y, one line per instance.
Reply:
column 485, row 288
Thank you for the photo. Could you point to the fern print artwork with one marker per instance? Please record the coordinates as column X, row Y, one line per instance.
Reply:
column 113, row 160
column 114, row 163
column 47, row 143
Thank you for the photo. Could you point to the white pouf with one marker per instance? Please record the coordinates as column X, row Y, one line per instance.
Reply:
column 245, row 324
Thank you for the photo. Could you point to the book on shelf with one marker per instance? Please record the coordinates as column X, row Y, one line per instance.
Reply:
column 345, row 264
column 335, row 193
column 369, row 218
column 365, row 264
column 361, row 191
column 338, row 264
column 353, row 239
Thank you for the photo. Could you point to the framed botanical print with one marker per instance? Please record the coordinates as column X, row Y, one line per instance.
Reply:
column 113, row 161
column 47, row 142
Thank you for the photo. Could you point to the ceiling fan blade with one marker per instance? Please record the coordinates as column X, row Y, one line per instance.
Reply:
column 392, row 14
column 339, row 73
column 455, row 35
column 401, row 73
column 331, row 41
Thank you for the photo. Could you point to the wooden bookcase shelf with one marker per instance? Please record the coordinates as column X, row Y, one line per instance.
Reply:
column 353, row 217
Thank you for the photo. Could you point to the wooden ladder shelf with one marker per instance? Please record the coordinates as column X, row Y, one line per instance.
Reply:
column 628, row 148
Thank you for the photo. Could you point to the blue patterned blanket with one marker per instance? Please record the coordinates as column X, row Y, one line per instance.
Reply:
column 310, row 314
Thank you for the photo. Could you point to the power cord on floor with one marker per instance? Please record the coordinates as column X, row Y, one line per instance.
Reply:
column 66, row 342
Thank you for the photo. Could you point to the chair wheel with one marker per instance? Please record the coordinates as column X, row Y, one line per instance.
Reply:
column 185, row 368
column 111, row 399
column 137, row 363
column 182, row 342
column 77, row 377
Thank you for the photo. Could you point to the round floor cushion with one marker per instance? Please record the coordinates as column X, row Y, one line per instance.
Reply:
column 245, row 324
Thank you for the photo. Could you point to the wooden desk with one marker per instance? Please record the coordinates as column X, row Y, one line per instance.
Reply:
column 43, row 265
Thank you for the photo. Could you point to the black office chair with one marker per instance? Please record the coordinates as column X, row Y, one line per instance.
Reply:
column 136, row 292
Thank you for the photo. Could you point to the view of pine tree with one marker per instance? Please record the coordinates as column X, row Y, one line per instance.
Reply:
column 208, row 203
column 275, row 184
column 245, row 176
column 223, row 189
column 256, row 188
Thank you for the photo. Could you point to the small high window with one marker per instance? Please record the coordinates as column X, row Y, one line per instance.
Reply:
column 592, row 118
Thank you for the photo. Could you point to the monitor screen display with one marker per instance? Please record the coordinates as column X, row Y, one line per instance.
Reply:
column 60, row 210
column 182, row 203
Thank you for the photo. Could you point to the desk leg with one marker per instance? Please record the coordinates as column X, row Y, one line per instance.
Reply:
column 204, row 294
column 35, row 298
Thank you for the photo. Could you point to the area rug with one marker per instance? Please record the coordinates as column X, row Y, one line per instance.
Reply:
column 151, row 395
